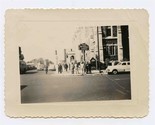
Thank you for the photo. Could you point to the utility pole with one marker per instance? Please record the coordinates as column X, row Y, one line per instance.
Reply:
column 98, row 50
column 84, row 55
column 56, row 55
column 65, row 55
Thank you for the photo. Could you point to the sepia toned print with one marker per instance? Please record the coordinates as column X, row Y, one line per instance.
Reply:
column 78, row 65
column 81, row 70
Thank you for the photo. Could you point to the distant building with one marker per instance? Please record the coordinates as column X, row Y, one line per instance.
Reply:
column 69, row 55
column 86, row 35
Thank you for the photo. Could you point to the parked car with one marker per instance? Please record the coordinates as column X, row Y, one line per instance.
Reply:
column 123, row 66
column 112, row 63
column 31, row 66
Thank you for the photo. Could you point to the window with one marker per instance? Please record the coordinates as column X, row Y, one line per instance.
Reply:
column 114, row 31
column 108, row 31
column 112, row 49
column 116, row 63
column 128, row 63
column 123, row 63
column 109, row 64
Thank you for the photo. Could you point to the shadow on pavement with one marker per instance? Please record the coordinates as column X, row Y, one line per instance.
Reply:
column 31, row 72
column 124, row 73
column 22, row 87
column 120, row 73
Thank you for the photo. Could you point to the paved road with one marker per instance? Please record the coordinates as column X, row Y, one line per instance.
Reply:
column 38, row 87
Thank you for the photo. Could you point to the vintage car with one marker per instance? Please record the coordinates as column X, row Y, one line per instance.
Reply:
column 123, row 66
column 31, row 66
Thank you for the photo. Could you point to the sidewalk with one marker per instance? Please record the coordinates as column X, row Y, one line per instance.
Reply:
column 97, row 72
column 68, row 73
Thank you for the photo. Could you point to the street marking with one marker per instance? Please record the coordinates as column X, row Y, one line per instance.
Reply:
column 117, row 79
column 120, row 91
column 115, row 82
column 122, row 79
column 118, row 85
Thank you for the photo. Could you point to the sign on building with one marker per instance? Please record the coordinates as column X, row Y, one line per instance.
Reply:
column 83, row 46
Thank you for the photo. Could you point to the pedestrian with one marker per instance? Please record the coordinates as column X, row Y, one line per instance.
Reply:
column 59, row 68
column 87, row 67
column 75, row 65
column 77, row 68
column 46, row 69
column 69, row 66
column 83, row 68
column 72, row 67
column 66, row 67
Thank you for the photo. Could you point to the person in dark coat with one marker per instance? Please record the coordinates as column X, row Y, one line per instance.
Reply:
column 59, row 68
column 72, row 67
column 46, row 69
column 66, row 67
column 89, row 67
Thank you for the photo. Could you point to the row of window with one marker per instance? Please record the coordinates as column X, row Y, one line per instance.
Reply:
column 126, row 63
column 109, row 31
column 111, row 50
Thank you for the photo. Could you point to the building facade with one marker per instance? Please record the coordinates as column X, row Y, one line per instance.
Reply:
column 105, row 42
column 115, row 42
column 86, row 35
column 69, row 56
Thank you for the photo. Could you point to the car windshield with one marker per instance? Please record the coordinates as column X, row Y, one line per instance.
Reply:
column 116, row 63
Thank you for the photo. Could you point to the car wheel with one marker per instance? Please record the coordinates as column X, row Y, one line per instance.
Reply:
column 115, row 72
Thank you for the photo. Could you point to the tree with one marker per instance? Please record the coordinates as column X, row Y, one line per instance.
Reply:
column 21, row 56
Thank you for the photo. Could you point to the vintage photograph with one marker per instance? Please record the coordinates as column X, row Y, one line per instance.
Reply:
column 74, row 63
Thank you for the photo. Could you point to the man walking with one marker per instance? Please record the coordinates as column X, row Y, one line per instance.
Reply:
column 83, row 68
column 87, row 68
column 46, row 69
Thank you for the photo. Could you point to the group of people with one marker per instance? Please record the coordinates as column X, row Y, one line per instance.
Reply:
column 74, row 67
column 60, row 68
column 85, row 68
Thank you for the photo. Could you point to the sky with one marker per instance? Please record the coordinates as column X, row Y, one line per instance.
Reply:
column 41, row 39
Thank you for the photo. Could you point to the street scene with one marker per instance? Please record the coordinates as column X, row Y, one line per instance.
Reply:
column 37, row 87
column 87, row 63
